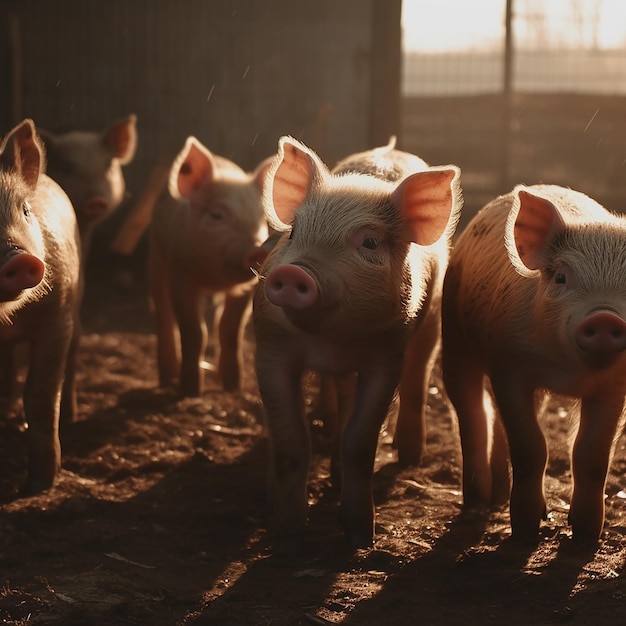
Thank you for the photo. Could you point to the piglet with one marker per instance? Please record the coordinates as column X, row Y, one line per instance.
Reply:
column 205, row 236
column 40, row 291
column 352, row 291
column 534, row 302
column 88, row 166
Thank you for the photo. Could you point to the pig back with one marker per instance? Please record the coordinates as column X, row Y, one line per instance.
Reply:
column 385, row 163
column 482, row 289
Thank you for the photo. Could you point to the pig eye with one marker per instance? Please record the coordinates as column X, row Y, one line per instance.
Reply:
column 560, row 278
column 371, row 243
column 26, row 209
column 217, row 213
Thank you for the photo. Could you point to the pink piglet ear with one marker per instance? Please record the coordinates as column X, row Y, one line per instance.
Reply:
column 121, row 139
column 532, row 223
column 193, row 165
column 429, row 202
column 290, row 178
column 22, row 152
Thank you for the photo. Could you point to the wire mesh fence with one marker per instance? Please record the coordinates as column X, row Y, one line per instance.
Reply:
column 564, row 119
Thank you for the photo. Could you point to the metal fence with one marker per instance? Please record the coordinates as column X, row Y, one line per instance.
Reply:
column 539, row 98
column 561, row 45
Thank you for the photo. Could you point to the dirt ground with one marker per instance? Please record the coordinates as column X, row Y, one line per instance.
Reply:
column 158, row 516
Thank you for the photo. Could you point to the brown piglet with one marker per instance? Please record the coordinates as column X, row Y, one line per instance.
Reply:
column 40, row 292
column 205, row 236
column 352, row 291
column 535, row 302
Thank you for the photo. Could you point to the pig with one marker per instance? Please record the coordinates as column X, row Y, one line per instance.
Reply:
column 40, row 291
column 88, row 166
column 204, row 238
column 535, row 302
column 352, row 291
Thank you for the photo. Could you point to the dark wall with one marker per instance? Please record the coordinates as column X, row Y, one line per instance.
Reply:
column 238, row 74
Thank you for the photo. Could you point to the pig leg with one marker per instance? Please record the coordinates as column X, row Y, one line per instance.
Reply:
column 8, row 369
column 528, row 448
column 328, row 404
column 168, row 357
column 601, row 419
column 464, row 377
column 234, row 316
column 464, row 381
column 69, row 405
column 187, row 303
column 360, row 439
column 419, row 359
column 42, row 393
column 345, row 393
column 290, row 450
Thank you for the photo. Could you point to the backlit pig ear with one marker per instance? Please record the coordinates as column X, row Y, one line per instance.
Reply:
column 532, row 223
column 121, row 139
column 289, row 181
column 194, row 165
column 430, row 202
column 22, row 153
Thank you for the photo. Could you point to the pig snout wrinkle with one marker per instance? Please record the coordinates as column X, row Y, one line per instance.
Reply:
column 291, row 286
column 602, row 333
column 22, row 271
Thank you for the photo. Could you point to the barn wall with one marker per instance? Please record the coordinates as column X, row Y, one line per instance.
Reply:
column 238, row 74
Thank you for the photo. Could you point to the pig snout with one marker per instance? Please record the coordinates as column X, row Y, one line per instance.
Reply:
column 254, row 259
column 21, row 271
column 96, row 207
column 291, row 286
column 602, row 334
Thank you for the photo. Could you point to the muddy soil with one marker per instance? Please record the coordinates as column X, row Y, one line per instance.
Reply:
column 158, row 516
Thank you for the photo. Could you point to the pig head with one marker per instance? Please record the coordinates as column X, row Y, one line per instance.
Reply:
column 88, row 166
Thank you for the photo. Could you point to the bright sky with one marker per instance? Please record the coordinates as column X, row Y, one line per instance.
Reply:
column 447, row 25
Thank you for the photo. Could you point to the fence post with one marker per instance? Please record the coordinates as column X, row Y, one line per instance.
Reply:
column 386, row 60
column 507, row 99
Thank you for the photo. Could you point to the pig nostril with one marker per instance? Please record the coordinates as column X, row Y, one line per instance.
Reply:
column 302, row 288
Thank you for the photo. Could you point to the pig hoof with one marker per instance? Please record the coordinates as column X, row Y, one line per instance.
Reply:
column 190, row 392
column 526, row 536
column 474, row 513
column 287, row 545
column 409, row 458
column 359, row 539
column 584, row 543
column 230, row 384
column 34, row 487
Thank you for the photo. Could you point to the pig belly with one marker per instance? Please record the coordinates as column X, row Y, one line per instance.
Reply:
column 562, row 374
column 11, row 333
column 583, row 383
column 332, row 359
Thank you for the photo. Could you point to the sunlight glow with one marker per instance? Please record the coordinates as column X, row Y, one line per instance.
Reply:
column 459, row 25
